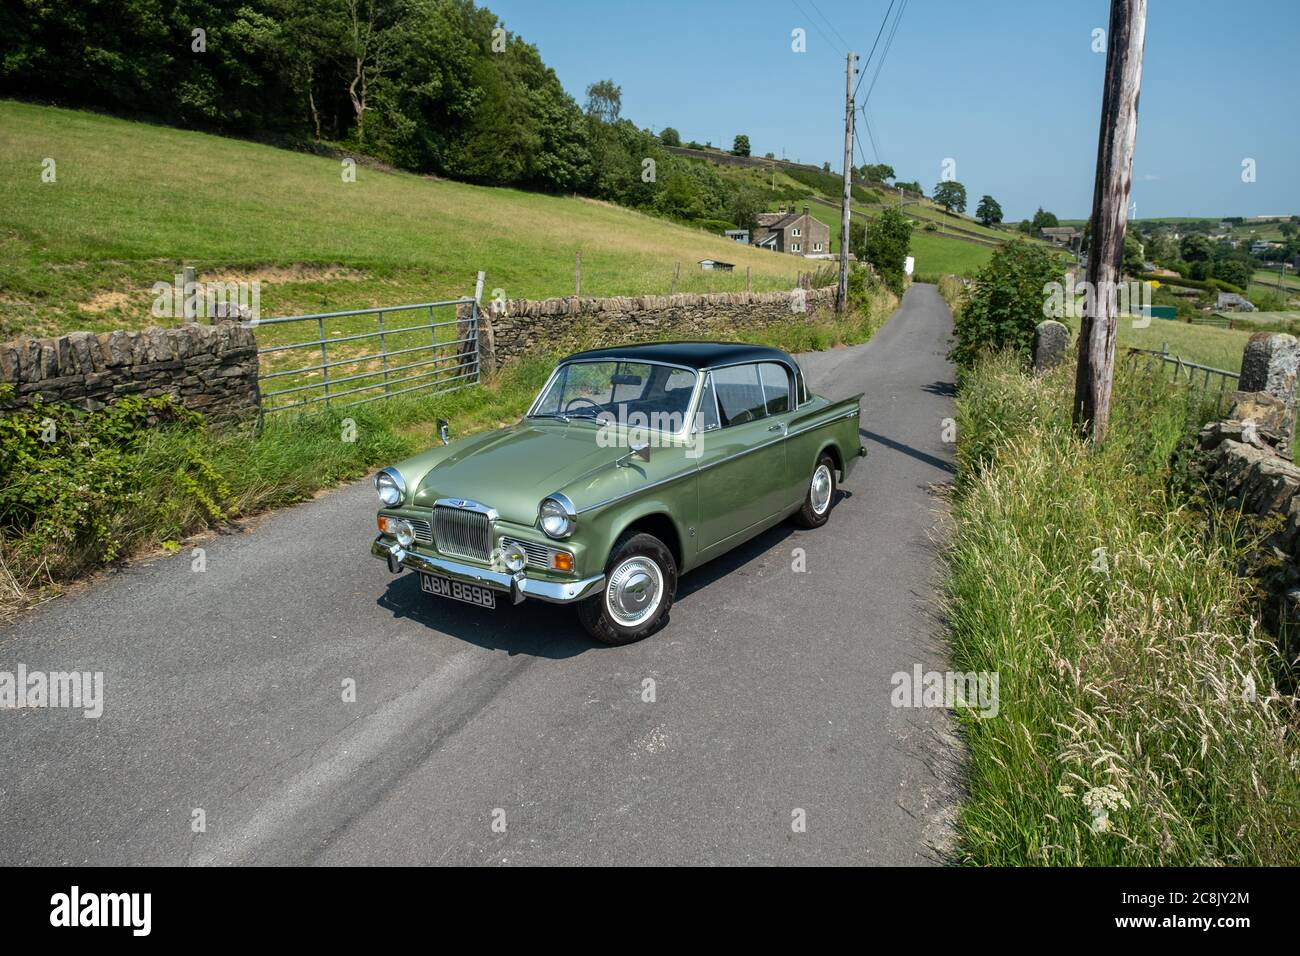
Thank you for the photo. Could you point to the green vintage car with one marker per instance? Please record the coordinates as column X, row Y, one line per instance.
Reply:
column 633, row 466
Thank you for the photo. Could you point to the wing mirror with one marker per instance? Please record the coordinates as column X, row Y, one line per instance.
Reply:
column 639, row 450
column 444, row 431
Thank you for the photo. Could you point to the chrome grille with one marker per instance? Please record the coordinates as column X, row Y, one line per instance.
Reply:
column 538, row 555
column 462, row 532
column 422, row 530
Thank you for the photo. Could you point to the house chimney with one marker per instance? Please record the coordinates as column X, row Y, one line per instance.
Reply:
column 805, row 210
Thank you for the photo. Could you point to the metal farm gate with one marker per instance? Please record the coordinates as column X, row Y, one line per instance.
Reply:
column 367, row 354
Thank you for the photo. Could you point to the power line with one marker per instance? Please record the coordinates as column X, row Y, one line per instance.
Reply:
column 844, row 42
column 867, row 61
column 885, row 52
column 814, row 23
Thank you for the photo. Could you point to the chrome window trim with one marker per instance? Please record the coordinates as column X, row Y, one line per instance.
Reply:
column 713, row 368
column 789, row 382
column 690, row 407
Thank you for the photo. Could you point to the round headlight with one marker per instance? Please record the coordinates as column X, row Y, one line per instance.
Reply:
column 402, row 532
column 556, row 517
column 390, row 487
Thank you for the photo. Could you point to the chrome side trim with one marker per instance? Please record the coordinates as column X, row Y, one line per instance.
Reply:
column 686, row 474
column 554, row 592
column 637, row 491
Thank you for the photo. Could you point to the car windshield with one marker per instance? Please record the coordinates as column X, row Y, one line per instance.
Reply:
column 637, row 394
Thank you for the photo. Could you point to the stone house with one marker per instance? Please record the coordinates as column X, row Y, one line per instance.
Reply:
column 797, row 233
column 1060, row 235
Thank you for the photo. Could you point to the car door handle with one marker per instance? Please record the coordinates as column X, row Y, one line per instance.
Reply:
column 776, row 428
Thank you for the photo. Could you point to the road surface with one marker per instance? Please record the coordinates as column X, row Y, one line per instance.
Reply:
column 510, row 737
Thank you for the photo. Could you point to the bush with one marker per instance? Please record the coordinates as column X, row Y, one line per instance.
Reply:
column 1005, row 302
column 886, row 246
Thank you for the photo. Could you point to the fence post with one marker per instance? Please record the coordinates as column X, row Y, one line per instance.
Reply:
column 324, row 359
column 383, row 351
column 677, row 268
column 577, row 275
column 749, row 280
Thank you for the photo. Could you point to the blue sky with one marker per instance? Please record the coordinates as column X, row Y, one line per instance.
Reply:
column 1010, row 90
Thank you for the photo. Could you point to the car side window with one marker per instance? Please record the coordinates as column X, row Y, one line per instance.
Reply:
column 740, row 395
column 708, row 415
column 776, row 387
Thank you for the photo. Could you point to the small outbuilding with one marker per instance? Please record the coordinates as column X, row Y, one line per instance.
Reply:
column 717, row 264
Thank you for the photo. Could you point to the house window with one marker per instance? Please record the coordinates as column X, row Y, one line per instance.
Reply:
column 795, row 232
column 795, row 247
column 817, row 247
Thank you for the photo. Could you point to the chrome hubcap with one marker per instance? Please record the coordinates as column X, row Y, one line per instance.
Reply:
column 821, row 489
column 634, row 590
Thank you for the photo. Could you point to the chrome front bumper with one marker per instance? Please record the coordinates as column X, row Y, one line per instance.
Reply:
column 518, row 585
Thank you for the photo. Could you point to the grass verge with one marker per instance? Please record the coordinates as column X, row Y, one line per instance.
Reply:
column 1140, row 721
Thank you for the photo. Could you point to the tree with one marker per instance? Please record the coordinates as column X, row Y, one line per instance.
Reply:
column 826, row 167
column 1133, row 256
column 951, row 195
column 740, row 147
column 988, row 211
column 1043, row 220
column 1235, row 271
column 744, row 208
column 888, row 239
column 1196, row 248
column 1005, row 302
column 670, row 137
column 604, row 101
column 877, row 172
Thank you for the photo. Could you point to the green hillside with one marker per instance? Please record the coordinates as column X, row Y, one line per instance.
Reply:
column 132, row 202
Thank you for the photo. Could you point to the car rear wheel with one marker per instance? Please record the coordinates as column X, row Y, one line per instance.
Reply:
column 640, row 583
column 821, row 494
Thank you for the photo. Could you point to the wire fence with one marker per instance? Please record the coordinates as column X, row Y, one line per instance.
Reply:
column 363, row 355
column 1197, row 376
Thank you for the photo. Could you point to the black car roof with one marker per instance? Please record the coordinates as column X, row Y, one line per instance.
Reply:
column 692, row 354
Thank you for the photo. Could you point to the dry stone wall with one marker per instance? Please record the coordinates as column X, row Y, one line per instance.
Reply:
column 516, row 327
column 209, row 368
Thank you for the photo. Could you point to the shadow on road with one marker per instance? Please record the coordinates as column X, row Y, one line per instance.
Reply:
column 909, row 451
column 946, row 389
column 544, row 630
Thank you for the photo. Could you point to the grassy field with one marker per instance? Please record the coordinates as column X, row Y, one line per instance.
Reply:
column 1140, row 721
column 131, row 203
column 1203, row 344
column 934, row 253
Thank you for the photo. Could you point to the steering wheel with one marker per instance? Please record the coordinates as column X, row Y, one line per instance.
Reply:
column 583, row 398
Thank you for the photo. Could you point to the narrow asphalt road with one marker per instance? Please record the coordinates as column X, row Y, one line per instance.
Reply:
column 224, row 691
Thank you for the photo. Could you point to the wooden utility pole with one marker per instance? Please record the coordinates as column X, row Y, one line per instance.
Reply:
column 1110, row 191
column 842, row 290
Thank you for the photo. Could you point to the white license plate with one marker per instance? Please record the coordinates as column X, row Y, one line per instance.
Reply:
column 457, row 590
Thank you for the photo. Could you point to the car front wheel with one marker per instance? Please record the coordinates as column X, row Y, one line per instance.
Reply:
column 821, row 493
column 640, row 583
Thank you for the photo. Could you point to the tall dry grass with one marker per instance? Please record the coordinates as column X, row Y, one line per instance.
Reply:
column 1140, row 721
